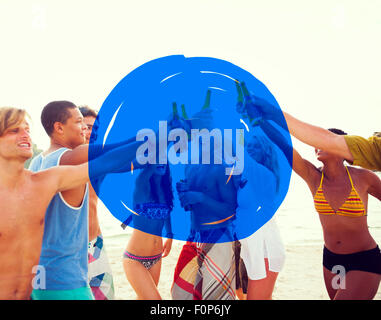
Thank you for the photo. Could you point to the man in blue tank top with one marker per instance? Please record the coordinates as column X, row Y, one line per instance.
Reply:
column 64, row 253
column 24, row 197
column 65, row 240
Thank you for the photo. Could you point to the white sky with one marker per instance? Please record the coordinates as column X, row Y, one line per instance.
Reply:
column 320, row 59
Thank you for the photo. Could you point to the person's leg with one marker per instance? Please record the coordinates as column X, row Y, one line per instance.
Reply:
column 141, row 280
column 262, row 289
column 185, row 273
column 328, row 277
column 155, row 272
column 359, row 285
column 215, row 279
column 240, row 294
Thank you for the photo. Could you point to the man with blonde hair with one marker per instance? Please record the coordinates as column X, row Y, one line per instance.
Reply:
column 25, row 197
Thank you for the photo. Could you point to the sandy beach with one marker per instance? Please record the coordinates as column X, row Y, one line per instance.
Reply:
column 301, row 278
column 302, row 275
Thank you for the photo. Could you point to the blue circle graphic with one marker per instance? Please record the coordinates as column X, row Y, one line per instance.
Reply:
column 195, row 166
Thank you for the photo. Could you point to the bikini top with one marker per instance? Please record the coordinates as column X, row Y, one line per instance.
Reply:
column 352, row 207
column 152, row 210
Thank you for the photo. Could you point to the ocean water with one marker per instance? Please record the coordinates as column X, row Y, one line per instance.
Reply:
column 297, row 219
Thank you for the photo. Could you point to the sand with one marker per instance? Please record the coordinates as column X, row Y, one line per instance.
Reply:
column 300, row 279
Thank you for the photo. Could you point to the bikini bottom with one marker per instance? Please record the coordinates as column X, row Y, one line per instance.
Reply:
column 368, row 260
column 148, row 261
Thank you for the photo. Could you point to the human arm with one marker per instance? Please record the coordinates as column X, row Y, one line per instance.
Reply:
column 374, row 184
column 366, row 152
column 305, row 169
column 63, row 178
column 167, row 247
column 318, row 137
column 217, row 210
column 168, row 227
column 218, row 207
column 169, row 235
column 274, row 135
column 80, row 154
column 312, row 135
column 71, row 176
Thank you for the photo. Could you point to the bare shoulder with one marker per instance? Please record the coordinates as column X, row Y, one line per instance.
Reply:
column 360, row 172
column 363, row 175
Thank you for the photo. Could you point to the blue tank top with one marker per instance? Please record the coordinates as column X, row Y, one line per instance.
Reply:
column 65, row 240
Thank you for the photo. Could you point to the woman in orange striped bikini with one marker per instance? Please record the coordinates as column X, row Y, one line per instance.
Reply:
column 341, row 198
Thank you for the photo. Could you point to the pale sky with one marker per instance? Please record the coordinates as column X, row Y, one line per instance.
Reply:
column 320, row 59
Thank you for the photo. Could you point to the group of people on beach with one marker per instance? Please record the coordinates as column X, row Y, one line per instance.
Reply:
column 51, row 244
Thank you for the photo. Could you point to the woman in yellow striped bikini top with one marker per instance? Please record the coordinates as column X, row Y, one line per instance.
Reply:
column 348, row 245
column 352, row 207
column 347, row 241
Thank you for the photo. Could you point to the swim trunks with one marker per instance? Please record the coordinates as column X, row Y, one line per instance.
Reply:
column 100, row 274
column 205, row 271
column 75, row 294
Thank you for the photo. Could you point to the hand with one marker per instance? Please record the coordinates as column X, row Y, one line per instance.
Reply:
column 177, row 122
column 252, row 106
column 182, row 186
column 190, row 197
column 256, row 149
column 239, row 106
column 167, row 247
